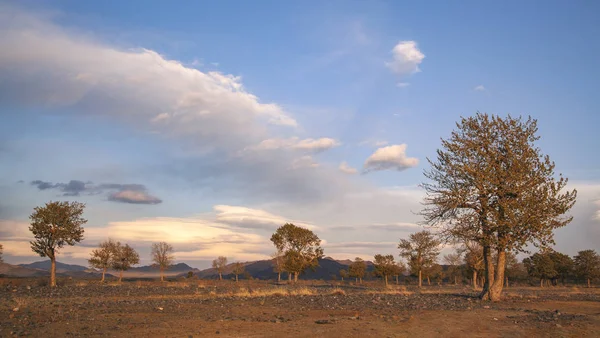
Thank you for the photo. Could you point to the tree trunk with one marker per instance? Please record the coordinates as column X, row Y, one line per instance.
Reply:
column 541, row 282
column 162, row 276
column 295, row 277
column 589, row 284
column 474, row 279
column 360, row 279
column 397, row 280
column 289, row 276
column 120, row 276
column 496, row 288
column 356, row 280
column 278, row 277
column 342, row 278
column 53, row 272
column 236, row 278
column 489, row 273
column 103, row 273
column 506, row 282
column 455, row 280
column 420, row 279
column 220, row 276
column 385, row 277
column 428, row 281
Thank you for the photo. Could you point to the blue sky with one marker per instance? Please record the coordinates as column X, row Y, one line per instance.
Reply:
column 232, row 118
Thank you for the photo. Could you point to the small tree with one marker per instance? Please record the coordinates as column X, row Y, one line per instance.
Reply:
column 238, row 269
column 278, row 264
column 162, row 257
column 1, row 252
column 190, row 274
column 587, row 265
column 473, row 259
column 384, row 266
column 540, row 265
column 301, row 248
column 563, row 264
column 124, row 258
column 357, row 269
column 343, row 274
column 453, row 261
column 421, row 251
column 398, row 269
column 102, row 258
column 55, row 225
column 219, row 264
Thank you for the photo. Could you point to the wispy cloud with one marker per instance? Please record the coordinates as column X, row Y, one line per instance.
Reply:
column 345, row 168
column 124, row 193
column 479, row 88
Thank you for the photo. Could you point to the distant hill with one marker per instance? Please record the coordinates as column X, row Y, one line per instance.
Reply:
column 60, row 267
column 20, row 271
column 148, row 271
column 263, row 269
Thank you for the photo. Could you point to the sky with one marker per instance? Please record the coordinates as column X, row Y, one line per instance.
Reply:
column 209, row 125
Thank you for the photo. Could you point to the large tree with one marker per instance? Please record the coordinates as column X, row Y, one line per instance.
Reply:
column 357, row 269
column 162, row 257
column 563, row 265
column 124, row 258
column 384, row 266
column 587, row 265
column 421, row 251
column 278, row 264
column 301, row 248
column 102, row 258
column 492, row 185
column 53, row 226
column 219, row 264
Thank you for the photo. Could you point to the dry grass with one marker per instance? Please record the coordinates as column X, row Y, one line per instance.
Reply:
column 21, row 302
column 391, row 290
column 337, row 292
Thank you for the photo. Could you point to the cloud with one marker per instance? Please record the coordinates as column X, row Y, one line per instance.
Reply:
column 390, row 157
column 406, row 58
column 305, row 161
column 345, row 168
column 133, row 197
column 125, row 193
column 396, row 227
column 309, row 144
column 402, row 84
column 244, row 217
column 374, row 143
column 479, row 88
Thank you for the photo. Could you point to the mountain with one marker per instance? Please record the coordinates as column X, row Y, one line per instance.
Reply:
column 60, row 267
column 10, row 270
column 149, row 271
column 264, row 270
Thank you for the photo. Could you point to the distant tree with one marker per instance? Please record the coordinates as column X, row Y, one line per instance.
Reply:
column 124, row 258
column 587, row 265
column 357, row 269
column 102, row 258
column 453, row 261
column 435, row 272
column 540, row 265
column 1, row 252
column 563, row 264
column 190, row 274
column 473, row 259
column 219, row 264
column 514, row 269
column 238, row 269
column 162, row 257
column 300, row 246
column 398, row 269
column 384, row 266
column 492, row 185
column 278, row 264
column 343, row 274
column 53, row 226
column 421, row 251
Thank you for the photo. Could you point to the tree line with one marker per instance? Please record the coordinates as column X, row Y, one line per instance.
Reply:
column 489, row 189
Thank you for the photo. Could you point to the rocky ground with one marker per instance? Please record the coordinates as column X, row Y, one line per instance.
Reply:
column 253, row 309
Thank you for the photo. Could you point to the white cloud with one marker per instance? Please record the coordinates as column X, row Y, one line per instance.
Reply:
column 254, row 218
column 305, row 161
column 406, row 58
column 49, row 66
column 345, row 168
column 374, row 143
column 479, row 88
column 390, row 157
column 309, row 144
column 402, row 84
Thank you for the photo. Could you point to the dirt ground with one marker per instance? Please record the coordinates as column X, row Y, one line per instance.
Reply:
column 227, row 309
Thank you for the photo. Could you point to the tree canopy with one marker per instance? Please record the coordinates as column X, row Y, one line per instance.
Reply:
column 162, row 256
column 492, row 185
column 301, row 248
column 421, row 250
